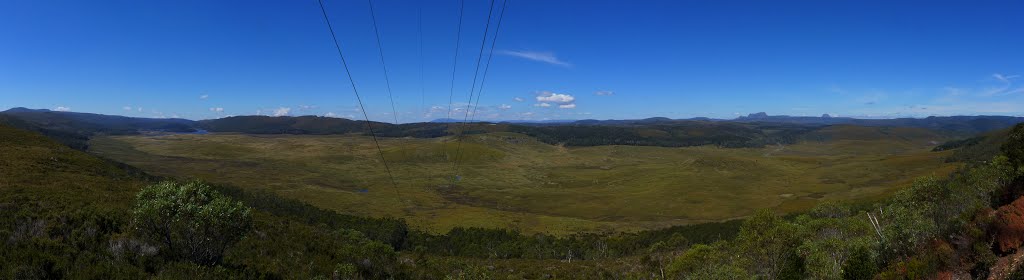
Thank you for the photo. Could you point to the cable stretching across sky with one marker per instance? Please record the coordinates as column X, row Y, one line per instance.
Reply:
column 380, row 49
column 490, row 54
column 455, row 64
column 487, row 67
column 476, row 72
column 366, row 116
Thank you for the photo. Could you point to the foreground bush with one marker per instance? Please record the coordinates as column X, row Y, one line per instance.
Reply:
column 189, row 221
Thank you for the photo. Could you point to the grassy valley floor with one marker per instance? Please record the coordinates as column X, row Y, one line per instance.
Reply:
column 510, row 180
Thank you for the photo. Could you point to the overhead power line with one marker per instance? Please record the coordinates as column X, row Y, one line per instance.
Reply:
column 487, row 67
column 476, row 72
column 451, row 87
column 380, row 49
column 366, row 116
column 490, row 54
column 455, row 64
column 423, row 91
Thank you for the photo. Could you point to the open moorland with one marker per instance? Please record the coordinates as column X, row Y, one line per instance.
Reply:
column 509, row 180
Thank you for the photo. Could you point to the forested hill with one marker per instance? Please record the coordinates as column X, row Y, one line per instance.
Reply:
column 955, row 124
column 979, row 148
column 650, row 132
column 88, row 124
column 67, row 214
column 755, row 130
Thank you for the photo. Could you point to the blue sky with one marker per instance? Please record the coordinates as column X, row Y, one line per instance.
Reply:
column 554, row 59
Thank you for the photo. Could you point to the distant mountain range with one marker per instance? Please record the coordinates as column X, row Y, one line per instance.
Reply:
column 74, row 129
column 443, row 120
column 747, row 131
column 96, row 123
column 957, row 124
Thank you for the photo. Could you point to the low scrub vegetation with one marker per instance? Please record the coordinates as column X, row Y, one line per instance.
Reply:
column 170, row 230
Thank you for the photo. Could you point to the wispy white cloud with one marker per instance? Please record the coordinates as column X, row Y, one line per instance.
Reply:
column 505, row 107
column 542, row 105
column 1005, row 86
column 280, row 112
column 604, row 93
column 1004, row 78
column 217, row 109
column 204, row 96
column 518, row 99
column 567, row 106
column 435, row 110
column 127, row 108
column 997, row 96
column 62, row 109
column 546, row 57
column 330, row 115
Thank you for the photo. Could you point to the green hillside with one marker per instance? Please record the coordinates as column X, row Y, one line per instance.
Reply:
column 514, row 181
column 976, row 149
column 68, row 214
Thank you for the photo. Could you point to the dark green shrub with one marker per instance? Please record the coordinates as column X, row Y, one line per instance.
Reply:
column 1014, row 146
column 189, row 221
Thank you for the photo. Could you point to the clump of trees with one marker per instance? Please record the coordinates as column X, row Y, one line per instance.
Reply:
column 190, row 221
column 1014, row 146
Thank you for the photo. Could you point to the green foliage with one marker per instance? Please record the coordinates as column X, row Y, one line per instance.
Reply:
column 189, row 270
column 861, row 265
column 390, row 231
column 1014, row 146
column 715, row 261
column 833, row 237
column 768, row 242
column 471, row 272
column 42, row 243
column 190, row 221
column 960, row 143
column 55, row 229
column 73, row 139
column 506, row 244
column 978, row 149
column 281, row 248
column 719, row 272
column 904, row 229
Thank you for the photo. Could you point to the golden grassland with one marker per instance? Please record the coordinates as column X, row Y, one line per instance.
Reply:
column 509, row 180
